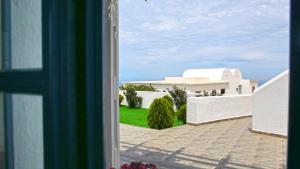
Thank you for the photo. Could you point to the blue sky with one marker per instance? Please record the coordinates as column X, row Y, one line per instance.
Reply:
column 161, row 38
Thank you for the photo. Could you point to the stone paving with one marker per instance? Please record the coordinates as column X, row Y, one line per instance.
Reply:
column 221, row 145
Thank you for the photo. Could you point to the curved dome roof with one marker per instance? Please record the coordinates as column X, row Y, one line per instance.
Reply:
column 236, row 73
column 212, row 74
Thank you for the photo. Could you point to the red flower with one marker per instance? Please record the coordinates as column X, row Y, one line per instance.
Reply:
column 138, row 165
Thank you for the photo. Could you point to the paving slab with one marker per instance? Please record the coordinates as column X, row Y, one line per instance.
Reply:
column 221, row 145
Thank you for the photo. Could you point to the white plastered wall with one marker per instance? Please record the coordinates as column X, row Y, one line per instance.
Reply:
column 246, row 87
column 270, row 106
column 208, row 109
column 148, row 97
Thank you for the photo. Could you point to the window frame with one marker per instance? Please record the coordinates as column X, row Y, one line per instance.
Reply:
column 294, row 90
column 70, row 83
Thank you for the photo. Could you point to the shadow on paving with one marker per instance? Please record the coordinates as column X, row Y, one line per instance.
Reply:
column 176, row 160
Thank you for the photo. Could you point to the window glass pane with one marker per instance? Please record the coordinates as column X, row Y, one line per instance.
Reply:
column 27, row 113
column 2, row 136
column 26, row 34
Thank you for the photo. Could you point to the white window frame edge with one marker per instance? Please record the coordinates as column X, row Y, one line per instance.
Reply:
column 110, row 83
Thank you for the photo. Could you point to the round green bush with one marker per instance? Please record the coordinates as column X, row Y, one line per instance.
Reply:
column 121, row 98
column 181, row 114
column 169, row 99
column 159, row 116
column 171, row 104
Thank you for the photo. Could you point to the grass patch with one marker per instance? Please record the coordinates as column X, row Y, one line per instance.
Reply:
column 138, row 117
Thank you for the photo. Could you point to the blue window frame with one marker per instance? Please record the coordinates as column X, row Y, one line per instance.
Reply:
column 70, row 82
column 294, row 94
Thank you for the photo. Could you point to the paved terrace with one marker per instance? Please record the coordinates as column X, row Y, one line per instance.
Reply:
column 220, row 145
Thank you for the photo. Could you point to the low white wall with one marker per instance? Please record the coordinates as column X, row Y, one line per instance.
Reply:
column 246, row 87
column 147, row 96
column 270, row 106
column 208, row 109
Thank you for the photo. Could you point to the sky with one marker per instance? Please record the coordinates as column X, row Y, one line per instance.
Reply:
column 161, row 38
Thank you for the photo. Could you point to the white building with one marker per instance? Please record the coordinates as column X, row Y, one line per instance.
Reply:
column 270, row 106
column 223, row 80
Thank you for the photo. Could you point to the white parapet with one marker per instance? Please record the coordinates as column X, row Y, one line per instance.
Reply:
column 270, row 106
column 208, row 109
column 147, row 96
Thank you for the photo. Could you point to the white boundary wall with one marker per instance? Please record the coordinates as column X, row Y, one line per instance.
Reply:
column 147, row 96
column 270, row 106
column 214, row 108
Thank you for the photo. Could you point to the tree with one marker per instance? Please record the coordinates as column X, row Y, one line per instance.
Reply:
column 131, row 97
column 179, row 97
column 181, row 114
column 159, row 116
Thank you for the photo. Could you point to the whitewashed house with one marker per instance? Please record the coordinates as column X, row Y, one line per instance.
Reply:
column 224, row 81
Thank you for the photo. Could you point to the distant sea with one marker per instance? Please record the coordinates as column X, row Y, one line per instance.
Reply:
column 260, row 82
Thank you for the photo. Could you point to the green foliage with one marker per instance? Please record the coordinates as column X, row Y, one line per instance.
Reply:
column 121, row 98
column 131, row 97
column 179, row 97
column 138, row 117
column 214, row 93
column 138, row 87
column 159, row 116
column 171, row 104
column 181, row 114
column 139, row 101
column 169, row 99
column 122, row 87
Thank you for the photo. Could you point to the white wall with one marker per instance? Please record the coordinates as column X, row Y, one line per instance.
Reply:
column 270, row 106
column 246, row 87
column 148, row 97
column 208, row 109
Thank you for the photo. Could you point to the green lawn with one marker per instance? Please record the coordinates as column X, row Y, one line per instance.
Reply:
column 138, row 117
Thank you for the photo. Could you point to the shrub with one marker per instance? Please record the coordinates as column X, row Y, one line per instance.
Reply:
column 139, row 101
column 179, row 97
column 159, row 116
column 171, row 104
column 131, row 97
column 121, row 87
column 121, row 98
column 181, row 114
column 214, row 93
column 205, row 93
column 144, row 88
column 169, row 99
column 138, row 87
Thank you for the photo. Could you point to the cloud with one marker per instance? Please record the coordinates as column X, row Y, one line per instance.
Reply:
column 164, row 25
column 255, row 56
column 199, row 33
